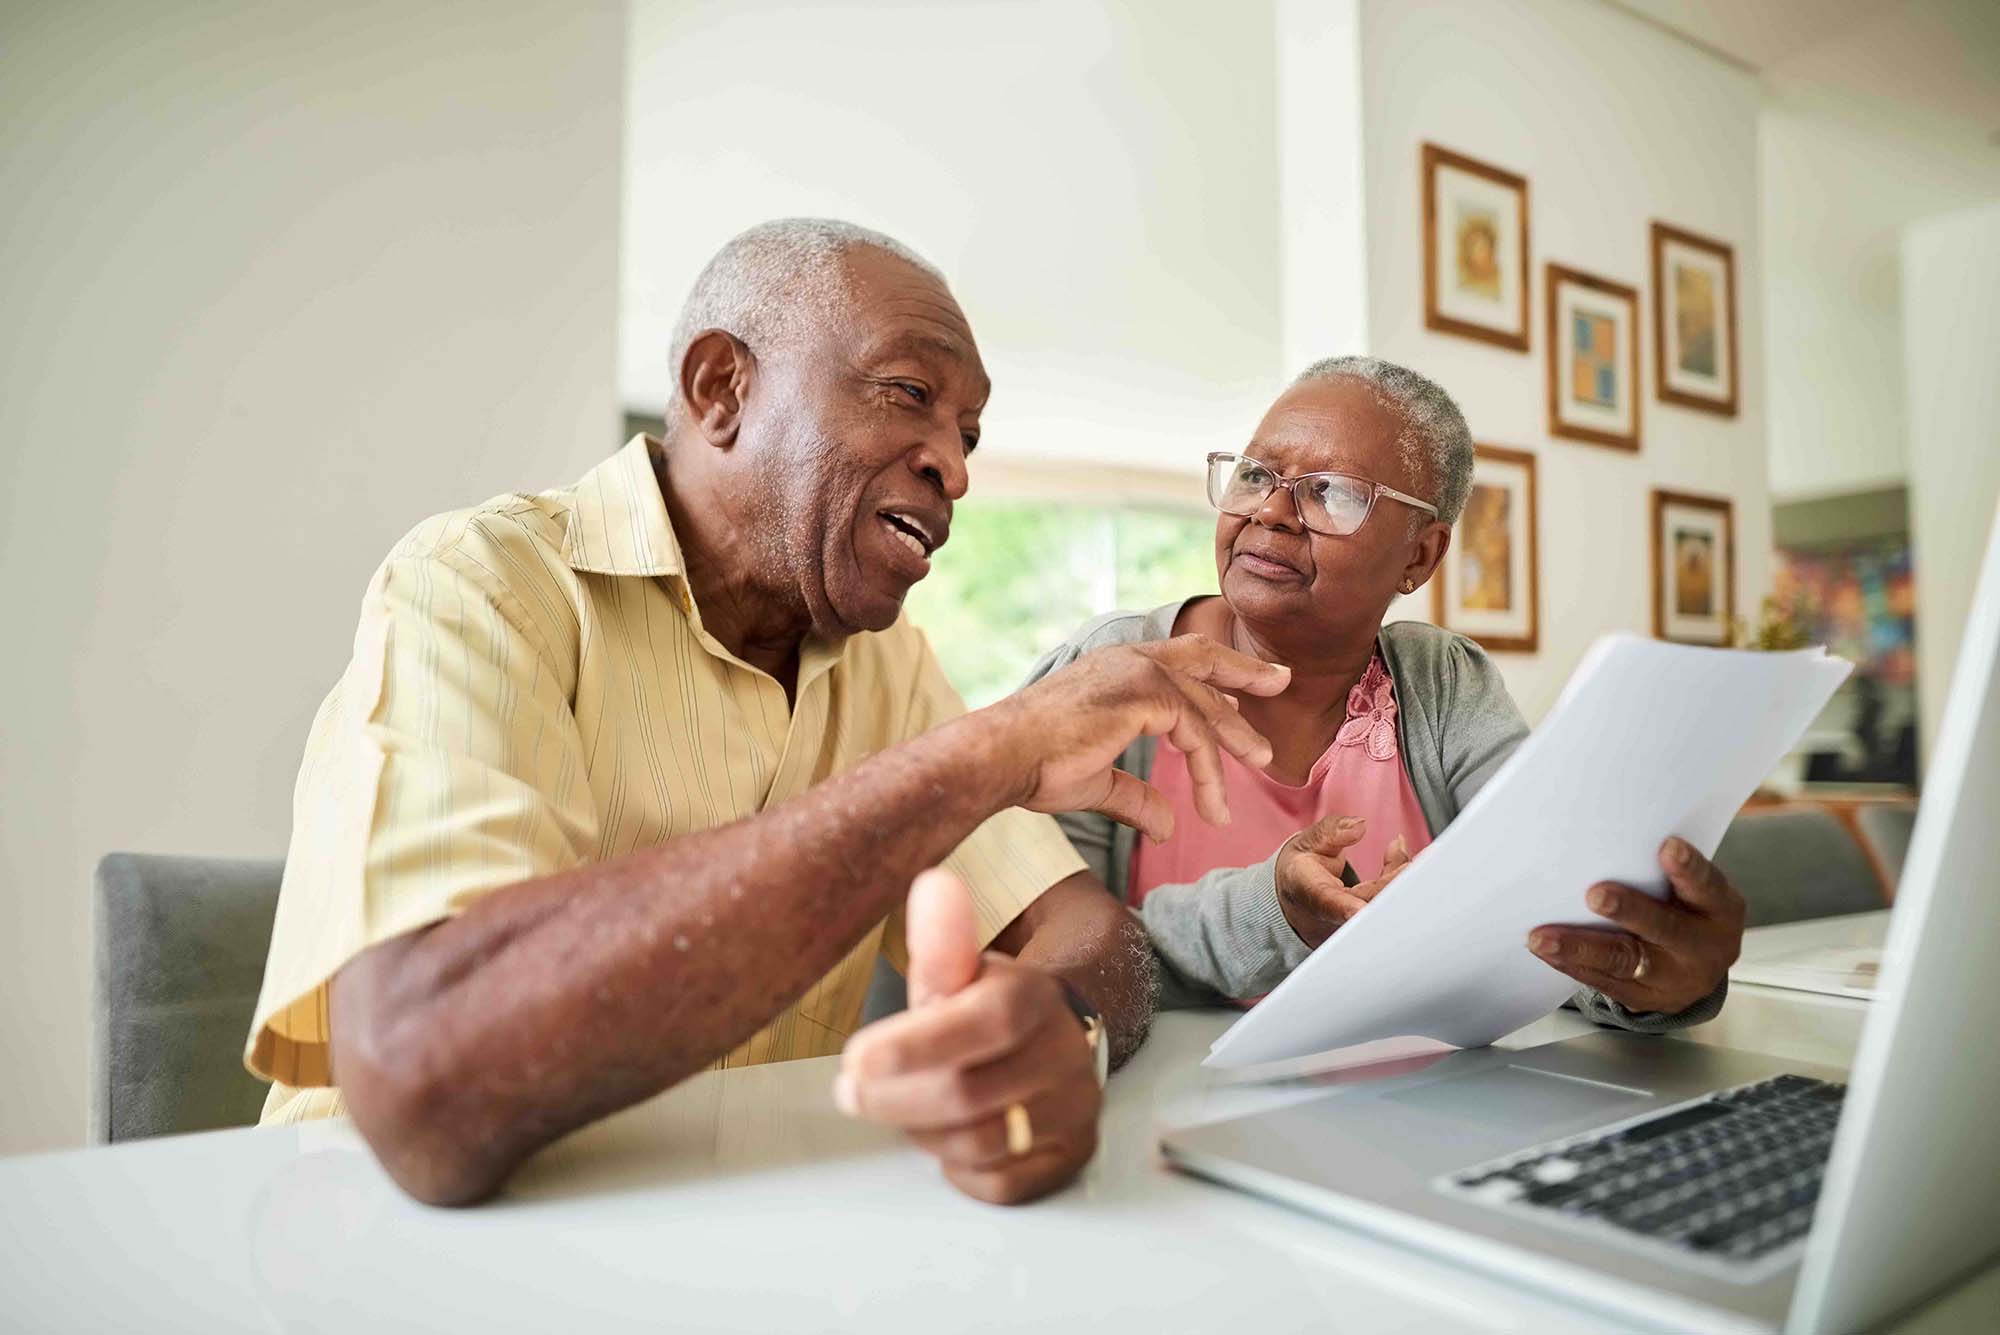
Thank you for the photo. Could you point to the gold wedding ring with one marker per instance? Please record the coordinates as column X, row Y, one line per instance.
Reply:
column 1020, row 1131
column 1644, row 960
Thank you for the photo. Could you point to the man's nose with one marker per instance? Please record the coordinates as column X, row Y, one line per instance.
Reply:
column 940, row 460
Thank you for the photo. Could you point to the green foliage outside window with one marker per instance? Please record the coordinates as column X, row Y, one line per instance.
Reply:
column 1017, row 577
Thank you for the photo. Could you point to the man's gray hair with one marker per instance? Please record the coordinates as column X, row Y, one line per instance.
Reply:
column 777, row 282
column 1435, row 441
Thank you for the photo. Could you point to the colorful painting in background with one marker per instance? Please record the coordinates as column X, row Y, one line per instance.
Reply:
column 1860, row 603
column 1594, row 359
column 1478, row 252
column 1487, row 533
column 1694, row 318
column 1694, row 572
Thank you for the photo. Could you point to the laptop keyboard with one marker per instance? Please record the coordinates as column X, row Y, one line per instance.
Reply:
column 1733, row 1177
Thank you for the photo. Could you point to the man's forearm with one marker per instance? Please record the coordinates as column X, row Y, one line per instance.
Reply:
column 463, row 1048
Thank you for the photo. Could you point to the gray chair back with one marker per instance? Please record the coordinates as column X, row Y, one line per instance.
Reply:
column 180, row 946
column 887, row 992
column 1886, row 827
column 1797, row 862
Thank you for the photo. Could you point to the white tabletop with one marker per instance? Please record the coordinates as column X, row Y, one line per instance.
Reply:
column 743, row 1201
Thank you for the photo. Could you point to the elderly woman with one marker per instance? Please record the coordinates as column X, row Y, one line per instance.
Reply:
column 1344, row 498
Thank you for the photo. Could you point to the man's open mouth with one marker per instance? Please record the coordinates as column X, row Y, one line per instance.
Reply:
column 911, row 531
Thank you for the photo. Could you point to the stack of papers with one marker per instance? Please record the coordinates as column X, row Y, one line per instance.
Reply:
column 1836, row 971
column 1649, row 739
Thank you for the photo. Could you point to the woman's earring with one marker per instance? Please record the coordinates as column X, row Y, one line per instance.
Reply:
column 1409, row 586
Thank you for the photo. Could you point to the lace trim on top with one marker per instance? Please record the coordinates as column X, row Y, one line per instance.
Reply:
column 1371, row 713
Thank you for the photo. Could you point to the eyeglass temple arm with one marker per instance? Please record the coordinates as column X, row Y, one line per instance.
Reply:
column 1407, row 499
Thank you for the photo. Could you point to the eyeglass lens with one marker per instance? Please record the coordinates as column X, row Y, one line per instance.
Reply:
column 1328, row 503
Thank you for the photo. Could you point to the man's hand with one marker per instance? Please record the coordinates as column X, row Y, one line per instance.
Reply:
column 1064, row 732
column 1671, row 953
column 1315, row 899
column 983, row 1034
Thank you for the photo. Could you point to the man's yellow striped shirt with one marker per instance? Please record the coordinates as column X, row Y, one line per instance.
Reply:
column 531, row 689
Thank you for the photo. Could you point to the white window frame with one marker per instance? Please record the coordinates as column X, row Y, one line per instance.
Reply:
column 1001, row 478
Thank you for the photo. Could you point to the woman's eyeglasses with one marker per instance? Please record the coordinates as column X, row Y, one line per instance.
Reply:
column 1330, row 503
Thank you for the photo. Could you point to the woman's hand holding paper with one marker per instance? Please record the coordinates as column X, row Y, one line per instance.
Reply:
column 1662, row 955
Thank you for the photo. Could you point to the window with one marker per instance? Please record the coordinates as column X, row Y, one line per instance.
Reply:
column 1019, row 575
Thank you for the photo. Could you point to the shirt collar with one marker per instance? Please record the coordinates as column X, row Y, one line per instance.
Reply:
column 619, row 526
column 618, row 519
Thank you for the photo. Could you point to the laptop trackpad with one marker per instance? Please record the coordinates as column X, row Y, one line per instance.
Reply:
column 1519, row 1098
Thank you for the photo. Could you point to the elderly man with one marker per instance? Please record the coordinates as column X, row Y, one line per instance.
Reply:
column 626, row 780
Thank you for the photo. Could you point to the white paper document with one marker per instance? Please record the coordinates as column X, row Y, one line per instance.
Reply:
column 1649, row 739
column 1836, row 971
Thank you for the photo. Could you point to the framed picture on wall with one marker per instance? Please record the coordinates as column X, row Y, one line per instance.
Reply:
column 1593, row 359
column 1694, row 320
column 1694, row 568
column 1489, row 587
column 1475, row 249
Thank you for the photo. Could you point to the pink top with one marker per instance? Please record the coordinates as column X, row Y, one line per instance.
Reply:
column 1361, row 774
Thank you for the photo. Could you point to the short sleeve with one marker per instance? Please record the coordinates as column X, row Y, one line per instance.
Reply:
column 446, row 763
column 1011, row 858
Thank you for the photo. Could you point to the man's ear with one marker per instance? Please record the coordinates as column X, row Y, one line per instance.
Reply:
column 715, row 382
column 1431, row 546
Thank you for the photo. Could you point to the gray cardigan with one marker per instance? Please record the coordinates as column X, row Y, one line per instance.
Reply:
column 1225, row 935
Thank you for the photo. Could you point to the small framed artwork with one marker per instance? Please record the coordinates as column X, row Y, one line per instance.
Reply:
column 1694, row 320
column 1593, row 359
column 1475, row 249
column 1489, row 587
column 1694, row 568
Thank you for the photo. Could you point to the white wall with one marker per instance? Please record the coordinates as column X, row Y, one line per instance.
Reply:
column 1842, row 179
column 1951, row 337
column 1834, row 337
column 1614, row 123
column 279, row 280
column 1097, row 178
column 1322, row 181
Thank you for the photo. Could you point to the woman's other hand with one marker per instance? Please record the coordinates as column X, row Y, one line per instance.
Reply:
column 1662, row 954
column 1315, row 898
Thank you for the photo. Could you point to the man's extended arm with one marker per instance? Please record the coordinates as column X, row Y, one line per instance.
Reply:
column 465, row 1046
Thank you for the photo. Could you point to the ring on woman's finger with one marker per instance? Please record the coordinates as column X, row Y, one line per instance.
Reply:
column 1020, row 1131
column 1645, row 961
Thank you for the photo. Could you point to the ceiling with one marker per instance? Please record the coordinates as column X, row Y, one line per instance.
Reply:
column 1760, row 33
column 1892, row 105
column 1933, row 62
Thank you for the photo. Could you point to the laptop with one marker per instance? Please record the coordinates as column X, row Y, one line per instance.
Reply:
column 1686, row 1186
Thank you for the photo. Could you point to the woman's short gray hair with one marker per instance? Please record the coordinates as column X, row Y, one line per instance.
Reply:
column 776, row 282
column 1435, row 441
